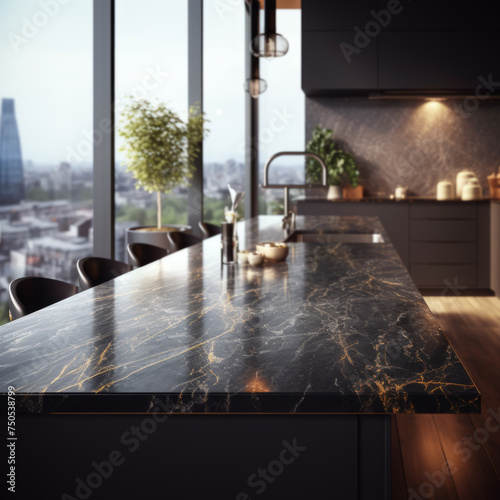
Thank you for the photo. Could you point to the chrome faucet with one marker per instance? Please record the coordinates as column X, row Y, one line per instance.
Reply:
column 289, row 216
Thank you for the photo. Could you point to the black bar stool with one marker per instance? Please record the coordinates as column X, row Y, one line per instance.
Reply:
column 208, row 229
column 177, row 240
column 140, row 254
column 32, row 293
column 93, row 271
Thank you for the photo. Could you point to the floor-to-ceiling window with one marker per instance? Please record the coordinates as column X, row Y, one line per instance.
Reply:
column 224, row 104
column 151, row 60
column 46, row 139
column 282, row 114
column 48, row 135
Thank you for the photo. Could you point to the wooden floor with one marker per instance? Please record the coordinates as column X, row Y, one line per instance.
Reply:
column 456, row 456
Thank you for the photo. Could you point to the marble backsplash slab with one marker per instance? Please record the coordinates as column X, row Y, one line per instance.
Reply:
column 412, row 143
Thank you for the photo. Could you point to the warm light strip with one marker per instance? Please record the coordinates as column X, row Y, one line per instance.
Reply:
column 285, row 4
column 424, row 97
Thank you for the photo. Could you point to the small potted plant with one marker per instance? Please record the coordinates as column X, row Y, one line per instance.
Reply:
column 343, row 174
column 160, row 149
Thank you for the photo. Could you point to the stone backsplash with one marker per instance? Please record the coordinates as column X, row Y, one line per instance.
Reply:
column 411, row 142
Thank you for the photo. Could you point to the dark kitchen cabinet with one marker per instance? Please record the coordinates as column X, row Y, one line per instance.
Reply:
column 495, row 246
column 449, row 245
column 336, row 15
column 428, row 45
column 429, row 60
column 445, row 15
column 443, row 230
column 444, row 245
column 326, row 69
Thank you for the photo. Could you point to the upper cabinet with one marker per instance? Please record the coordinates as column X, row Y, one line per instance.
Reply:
column 327, row 69
column 334, row 15
column 430, row 60
column 444, row 15
column 355, row 47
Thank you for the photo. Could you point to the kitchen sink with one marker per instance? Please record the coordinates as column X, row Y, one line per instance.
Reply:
column 325, row 237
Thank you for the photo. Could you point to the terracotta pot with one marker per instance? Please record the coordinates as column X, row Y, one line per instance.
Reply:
column 494, row 183
column 157, row 238
column 353, row 193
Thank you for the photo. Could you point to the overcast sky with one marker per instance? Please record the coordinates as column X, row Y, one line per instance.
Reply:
column 46, row 66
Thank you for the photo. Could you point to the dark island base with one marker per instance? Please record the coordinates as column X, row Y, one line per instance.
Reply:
column 222, row 457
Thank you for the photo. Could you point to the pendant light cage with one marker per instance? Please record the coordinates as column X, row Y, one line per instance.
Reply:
column 255, row 86
column 269, row 45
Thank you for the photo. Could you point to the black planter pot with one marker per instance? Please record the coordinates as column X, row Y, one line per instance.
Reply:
column 157, row 238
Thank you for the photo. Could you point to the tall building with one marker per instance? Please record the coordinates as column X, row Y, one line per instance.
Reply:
column 11, row 162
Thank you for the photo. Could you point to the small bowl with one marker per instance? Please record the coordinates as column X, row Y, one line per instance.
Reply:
column 273, row 250
column 255, row 258
column 242, row 256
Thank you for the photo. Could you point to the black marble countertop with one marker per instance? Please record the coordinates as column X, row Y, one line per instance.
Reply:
column 386, row 199
column 336, row 328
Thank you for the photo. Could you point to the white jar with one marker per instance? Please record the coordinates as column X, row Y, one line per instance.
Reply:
column 462, row 178
column 400, row 193
column 334, row 193
column 472, row 190
column 444, row 191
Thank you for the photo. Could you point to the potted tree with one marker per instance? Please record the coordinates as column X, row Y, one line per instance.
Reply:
column 160, row 149
column 343, row 174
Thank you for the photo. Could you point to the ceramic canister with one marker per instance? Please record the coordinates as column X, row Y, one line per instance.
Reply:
column 400, row 193
column 444, row 190
column 472, row 190
column 462, row 177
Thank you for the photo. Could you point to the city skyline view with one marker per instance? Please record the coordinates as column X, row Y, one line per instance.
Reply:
column 46, row 52
column 55, row 116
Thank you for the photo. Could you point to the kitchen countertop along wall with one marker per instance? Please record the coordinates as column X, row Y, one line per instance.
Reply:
column 378, row 199
column 411, row 143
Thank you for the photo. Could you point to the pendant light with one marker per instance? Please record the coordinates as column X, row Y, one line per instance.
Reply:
column 269, row 43
column 254, row 85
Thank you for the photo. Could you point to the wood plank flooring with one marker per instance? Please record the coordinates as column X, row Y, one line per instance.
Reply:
column 456, row 457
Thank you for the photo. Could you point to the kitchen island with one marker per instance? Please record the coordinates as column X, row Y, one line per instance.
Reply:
column 276, row 382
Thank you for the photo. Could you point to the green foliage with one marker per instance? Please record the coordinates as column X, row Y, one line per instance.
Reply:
column 213, row 210
column 276, row 207
column 340, row 165
column 173, row 212
column 160, row 147
column 131, row 213
column 36, row 193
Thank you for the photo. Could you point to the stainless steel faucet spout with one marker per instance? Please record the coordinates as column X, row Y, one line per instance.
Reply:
column 286, row 187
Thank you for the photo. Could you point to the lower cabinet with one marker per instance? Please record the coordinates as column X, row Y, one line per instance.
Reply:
column 495, row 247
column 449, row 245
column 444, row 246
